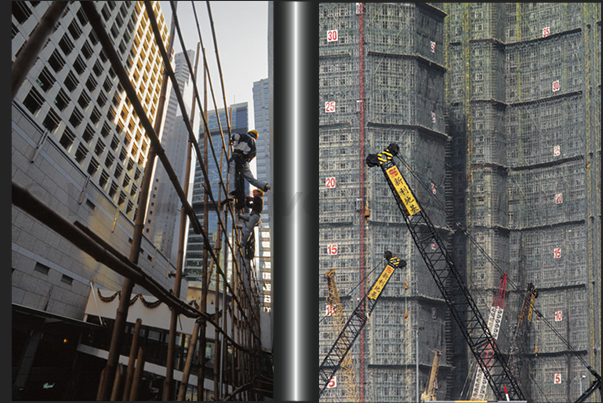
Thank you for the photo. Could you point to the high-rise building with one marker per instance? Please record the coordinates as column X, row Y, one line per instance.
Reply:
column 384, row 50
column 496, row 109
column 79, row 147
column 162, row 226
column 523, row 98
column 261, row 107
column 218, row 126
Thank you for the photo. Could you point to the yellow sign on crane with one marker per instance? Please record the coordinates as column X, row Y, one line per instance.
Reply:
column 410, row 204
column 382, row 281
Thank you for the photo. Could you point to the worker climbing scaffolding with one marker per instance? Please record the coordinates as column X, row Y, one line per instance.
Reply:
column 238, row 168
column 252, row 219
column 248, row 221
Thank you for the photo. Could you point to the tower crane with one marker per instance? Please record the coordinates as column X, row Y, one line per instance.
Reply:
column 448, row 279
column 494, row 321
column 354, row 325
column 430, row 390
column 349, row 373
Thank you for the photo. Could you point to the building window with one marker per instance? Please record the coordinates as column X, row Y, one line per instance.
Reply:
column 118, row 171
column 20, row 11
column 81, row 153
column 62, row 100
column 109, row 160
column 93, row 167
column 52, row 121
column 91, row 84
column 75, row 29
column 66, row 279
column 100, row 147
column 71, row 82
column 41, row 268
column 84, row 100
column 87, row 50
column 122, row 198
column 106, row 13
column 103, row 179
column 67, row 139
column 114, row 143
column 95, row 116
column 105, row 130
column 88, row 134
column 45, row 79
column 33, row 101
column 113, row 189
column 66, row 45
column 81, row 15
column 98, row 68
column 56, row 61
column 76, row 118
column 79, row 65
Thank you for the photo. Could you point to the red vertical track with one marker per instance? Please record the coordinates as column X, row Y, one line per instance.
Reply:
column 361, row 341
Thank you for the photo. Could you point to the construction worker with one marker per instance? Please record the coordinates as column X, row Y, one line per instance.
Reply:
column 251, row 219
column 238, row 164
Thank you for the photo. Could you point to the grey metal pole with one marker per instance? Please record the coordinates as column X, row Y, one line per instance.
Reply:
column 417, row 354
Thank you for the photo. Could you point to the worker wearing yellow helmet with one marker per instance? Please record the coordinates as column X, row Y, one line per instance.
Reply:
column 238, row 164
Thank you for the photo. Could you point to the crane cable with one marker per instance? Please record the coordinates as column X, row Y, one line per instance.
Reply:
column 509, row 281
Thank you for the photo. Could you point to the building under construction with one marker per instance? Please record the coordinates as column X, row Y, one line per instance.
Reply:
column 98, row 311
column 496, row 110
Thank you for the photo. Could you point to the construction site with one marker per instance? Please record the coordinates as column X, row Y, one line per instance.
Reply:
column 491, row 113
column 100, row 312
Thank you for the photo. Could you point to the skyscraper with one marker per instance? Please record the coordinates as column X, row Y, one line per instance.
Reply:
column 218, row 126
column 78, row 146
column 261, row 107
column 80, row 149
column 164, row 210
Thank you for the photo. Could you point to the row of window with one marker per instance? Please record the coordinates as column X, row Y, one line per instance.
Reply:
column 41, row 268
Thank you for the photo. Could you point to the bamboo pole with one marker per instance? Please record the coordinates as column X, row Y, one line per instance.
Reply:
column 205, row 278
column 132, row 359
column 89, row 9
column 140, row 361
column 189, row 363
column 118, row 383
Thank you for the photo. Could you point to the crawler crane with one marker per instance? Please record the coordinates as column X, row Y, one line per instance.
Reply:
column 332, row 361
column 448, row 279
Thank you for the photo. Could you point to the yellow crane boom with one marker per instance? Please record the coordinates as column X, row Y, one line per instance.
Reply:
column 430, row 390
column 348, row 374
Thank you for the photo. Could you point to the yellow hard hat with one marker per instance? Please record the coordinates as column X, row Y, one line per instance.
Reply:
column 260, row 191
column 253, row 133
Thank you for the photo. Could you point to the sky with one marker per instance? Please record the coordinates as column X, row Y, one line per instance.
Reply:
column 241, row 32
